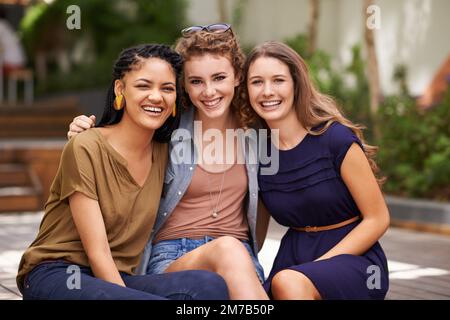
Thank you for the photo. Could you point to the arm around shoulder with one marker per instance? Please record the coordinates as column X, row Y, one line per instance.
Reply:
column 80, row 124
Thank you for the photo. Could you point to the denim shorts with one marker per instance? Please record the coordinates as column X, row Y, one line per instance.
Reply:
column 167, row 251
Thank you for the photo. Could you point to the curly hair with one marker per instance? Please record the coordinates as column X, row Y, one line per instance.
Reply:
column 223, row 44
column 313, row 108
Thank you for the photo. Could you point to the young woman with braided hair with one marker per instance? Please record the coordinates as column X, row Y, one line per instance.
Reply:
column 106, row 193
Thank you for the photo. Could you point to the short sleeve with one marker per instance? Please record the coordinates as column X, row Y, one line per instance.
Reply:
column 340, row 140
column 77, row 171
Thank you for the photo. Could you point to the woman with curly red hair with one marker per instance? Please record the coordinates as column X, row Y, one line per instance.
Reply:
column 207, row 215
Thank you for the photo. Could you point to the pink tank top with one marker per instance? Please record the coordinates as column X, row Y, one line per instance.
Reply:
column 194, row 215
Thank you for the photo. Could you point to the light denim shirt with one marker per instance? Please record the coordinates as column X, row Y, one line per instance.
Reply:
column 180, row 170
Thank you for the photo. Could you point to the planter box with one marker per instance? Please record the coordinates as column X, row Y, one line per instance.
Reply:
column 424, row 215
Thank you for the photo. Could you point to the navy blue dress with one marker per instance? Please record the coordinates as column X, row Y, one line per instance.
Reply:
column 308, row 191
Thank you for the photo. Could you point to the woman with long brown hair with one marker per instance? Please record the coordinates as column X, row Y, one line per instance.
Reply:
column 325, row 190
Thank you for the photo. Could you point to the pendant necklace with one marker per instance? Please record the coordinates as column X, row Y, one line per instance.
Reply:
column 215, row 209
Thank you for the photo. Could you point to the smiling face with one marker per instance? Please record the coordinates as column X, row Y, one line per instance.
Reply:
column 210, row 82
column 150, row 93
column 271, row 89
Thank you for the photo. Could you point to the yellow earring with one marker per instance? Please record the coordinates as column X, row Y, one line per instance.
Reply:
column 174, row 110
column 119, row 102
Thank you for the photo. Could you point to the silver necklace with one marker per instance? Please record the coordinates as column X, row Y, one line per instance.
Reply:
column 215, row 210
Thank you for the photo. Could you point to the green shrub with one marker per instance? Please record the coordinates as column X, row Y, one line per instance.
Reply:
column 107, row 27
column 414, row 147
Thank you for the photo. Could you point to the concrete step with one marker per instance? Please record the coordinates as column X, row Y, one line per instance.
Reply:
column 14, row 175
column 46, row 119
column 13, row 199
column 41, row 158
column 35, row 126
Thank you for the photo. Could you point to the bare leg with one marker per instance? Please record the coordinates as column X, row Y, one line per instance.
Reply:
column 292, row 285
column 229, row 258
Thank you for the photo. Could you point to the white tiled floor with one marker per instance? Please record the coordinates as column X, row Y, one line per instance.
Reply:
column 418, row 262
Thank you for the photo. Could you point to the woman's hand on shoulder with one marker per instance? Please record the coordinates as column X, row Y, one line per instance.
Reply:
column 80, row 124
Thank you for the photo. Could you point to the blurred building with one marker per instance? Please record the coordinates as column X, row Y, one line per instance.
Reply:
column 413, row 32
column 14, row 10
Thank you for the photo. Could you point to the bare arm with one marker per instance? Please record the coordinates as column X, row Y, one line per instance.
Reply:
column 361, row 182
column 91, row 227
column 262, row 224
column 79, row 124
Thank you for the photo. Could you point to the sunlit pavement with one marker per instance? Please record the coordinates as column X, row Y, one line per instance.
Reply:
column 419, row 263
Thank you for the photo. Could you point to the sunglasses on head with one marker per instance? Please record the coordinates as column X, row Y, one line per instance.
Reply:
column 213, row 28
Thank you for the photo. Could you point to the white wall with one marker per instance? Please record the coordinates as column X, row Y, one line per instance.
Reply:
column 413, row 32
column 202, row 12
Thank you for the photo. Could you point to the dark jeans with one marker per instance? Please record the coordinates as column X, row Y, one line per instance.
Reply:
column 58, row 280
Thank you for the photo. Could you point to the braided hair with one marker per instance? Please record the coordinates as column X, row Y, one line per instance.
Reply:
column 129, row 58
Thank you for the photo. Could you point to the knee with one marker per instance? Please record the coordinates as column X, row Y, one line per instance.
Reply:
column 226, row 245
column 211, row 286
column 290, row 284
column 281, row 282
column 231, row 254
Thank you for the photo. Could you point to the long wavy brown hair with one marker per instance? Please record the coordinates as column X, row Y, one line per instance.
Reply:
column 221, row 44
column 312, row 107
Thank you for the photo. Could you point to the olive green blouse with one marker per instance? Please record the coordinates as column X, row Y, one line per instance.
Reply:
column 90, row 165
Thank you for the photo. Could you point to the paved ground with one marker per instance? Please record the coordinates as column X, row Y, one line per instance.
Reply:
column 419, row 263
